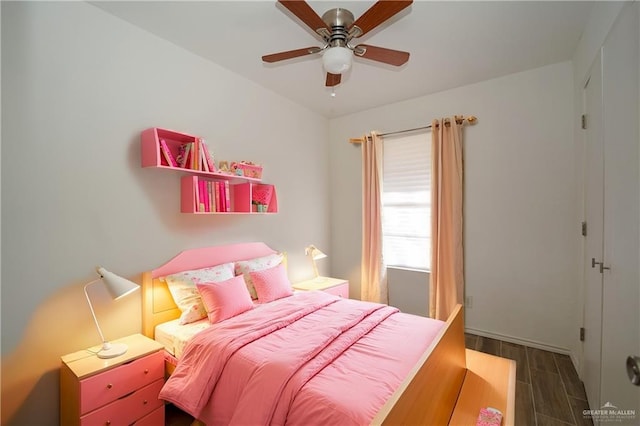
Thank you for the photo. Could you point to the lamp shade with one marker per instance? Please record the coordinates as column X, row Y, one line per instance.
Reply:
column 116, row 285
column 314, row 253
column 337, row 60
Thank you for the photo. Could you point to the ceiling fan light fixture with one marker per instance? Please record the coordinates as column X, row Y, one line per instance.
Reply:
column 336, row 29
column 337, row 59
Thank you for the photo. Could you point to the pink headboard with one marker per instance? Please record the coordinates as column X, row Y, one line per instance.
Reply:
column 157, row 303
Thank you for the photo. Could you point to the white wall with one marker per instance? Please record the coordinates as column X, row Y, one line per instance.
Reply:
column 603, row 15
column 78, row 87
column 520, row 203
column 409, row 290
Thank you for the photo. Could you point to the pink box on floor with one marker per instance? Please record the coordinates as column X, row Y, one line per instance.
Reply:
column 489, row 417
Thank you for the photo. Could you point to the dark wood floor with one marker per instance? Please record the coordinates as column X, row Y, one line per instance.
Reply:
column 548, row 389
column 175, row 417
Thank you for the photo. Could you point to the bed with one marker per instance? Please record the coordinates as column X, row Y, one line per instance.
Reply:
column 427, row 391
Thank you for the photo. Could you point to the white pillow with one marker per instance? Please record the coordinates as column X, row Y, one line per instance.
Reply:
column 257, row 264
column 182, row 286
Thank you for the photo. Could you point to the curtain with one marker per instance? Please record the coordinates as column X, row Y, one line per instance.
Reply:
column 373, row 286
column 447, row 268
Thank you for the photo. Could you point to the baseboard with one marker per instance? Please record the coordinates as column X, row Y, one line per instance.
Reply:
column 576, row 364
column 532, row 343
column 520, row 341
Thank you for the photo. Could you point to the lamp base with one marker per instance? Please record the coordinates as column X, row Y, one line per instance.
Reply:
column 112, row 350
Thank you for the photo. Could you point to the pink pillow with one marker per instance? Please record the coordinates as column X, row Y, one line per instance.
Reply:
column 271, row 284
column 225, row 299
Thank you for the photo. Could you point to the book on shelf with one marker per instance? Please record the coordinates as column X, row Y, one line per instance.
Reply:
column 192, row 152
column 205, row 194
column 199, row 191
column 196, row 195
column 208, row 158
column 223, row 206
column 227, row 197
column 189, row 164
column 217, row 195
column 166, row 153
column 183, row 154
column 194, row 155
column 191, row 155
column 204, row 166
column 200, row 195
column 212, row 203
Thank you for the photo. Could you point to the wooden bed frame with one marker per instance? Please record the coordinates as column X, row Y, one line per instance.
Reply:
column 448, row 385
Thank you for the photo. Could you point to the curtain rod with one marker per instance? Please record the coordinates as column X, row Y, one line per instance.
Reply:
column 459, row 119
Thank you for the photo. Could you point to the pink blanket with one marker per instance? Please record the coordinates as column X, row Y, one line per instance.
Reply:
column 273, row 365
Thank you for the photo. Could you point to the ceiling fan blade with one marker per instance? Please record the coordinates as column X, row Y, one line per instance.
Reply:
column 333, row 79
column 281, row 56
column 378, row 13
column 306, row 14
column 381, row 54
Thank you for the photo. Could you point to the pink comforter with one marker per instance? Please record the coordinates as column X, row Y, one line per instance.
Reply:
column 307, row 359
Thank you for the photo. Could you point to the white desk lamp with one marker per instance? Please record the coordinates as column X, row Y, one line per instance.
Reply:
column 117, row 287
column 314, row 253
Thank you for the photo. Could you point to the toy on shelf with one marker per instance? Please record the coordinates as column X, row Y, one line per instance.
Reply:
column 223, row 167
column 246, row 169
column 261, row 197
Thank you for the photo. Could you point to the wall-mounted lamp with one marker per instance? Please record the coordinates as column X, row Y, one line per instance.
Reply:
column 314, row 253
column 117, row 287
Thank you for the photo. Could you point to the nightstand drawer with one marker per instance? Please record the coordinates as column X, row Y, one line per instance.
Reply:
column 341, row 290
column 127, row 410
column 106, row 387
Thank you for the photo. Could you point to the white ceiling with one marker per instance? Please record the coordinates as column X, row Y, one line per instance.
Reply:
column 452, row 43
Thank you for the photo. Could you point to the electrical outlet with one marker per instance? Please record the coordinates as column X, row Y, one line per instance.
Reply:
column 468, row 303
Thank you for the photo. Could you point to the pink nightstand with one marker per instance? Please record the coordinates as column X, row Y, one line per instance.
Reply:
column 120, row 390
column 336, row 286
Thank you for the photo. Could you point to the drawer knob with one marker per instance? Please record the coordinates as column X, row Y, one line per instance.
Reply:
column 146, row 371
column 145, row 402
column 109, row 386
column 108, row 422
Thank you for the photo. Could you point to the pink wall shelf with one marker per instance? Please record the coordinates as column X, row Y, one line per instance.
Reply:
column 198, row 188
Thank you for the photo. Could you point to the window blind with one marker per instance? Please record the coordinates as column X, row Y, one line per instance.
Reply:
column 406, row 201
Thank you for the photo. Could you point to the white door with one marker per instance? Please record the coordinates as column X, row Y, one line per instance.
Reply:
column 612, row 285
column 621, row 320
column 594, row 208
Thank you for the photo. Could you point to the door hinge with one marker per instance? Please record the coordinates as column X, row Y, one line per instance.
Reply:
column 582, row 334
column 583, row 120
column 584, row 229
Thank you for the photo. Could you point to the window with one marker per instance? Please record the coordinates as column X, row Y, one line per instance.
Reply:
column 406, row 202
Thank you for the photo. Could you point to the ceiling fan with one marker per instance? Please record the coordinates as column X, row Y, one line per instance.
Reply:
column 337, row 28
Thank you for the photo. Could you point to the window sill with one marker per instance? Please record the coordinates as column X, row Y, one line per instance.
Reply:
column 404, row 268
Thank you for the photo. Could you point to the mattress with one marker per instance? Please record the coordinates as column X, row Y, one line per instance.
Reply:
column 174, row 336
